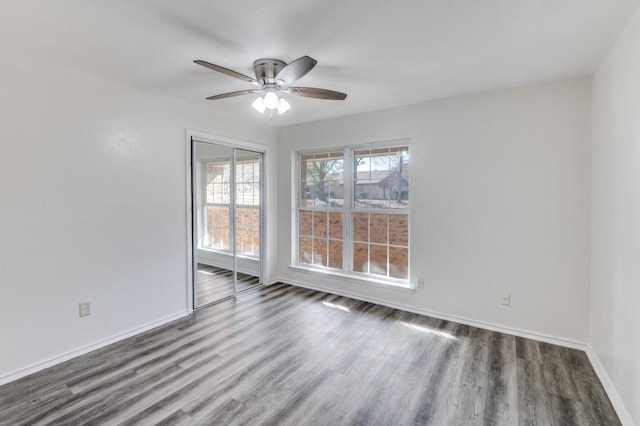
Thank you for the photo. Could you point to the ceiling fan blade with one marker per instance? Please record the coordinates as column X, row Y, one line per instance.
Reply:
column 313, row 92
column 227, row 71
column 295, row 70
column 233, row 94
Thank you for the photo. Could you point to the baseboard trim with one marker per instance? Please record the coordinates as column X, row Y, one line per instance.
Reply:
column 612, row 393
column 39, row 366
column 462, row 320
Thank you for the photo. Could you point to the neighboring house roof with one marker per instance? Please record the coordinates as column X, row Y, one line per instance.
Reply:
column 365, row 177
column 395, row 179
column 380, row 177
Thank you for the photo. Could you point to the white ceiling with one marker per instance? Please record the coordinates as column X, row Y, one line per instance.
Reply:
column 382, row 53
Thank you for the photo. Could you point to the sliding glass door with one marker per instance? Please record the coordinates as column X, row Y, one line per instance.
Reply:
column 248, row 204
column 227, row 220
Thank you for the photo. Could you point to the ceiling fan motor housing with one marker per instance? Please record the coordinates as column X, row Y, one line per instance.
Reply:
column 267, row 69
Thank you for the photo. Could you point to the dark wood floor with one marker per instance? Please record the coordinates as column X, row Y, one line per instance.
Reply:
column 286, row 355
column 215, row 283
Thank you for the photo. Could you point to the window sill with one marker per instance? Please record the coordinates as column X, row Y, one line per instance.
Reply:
column 389, row 285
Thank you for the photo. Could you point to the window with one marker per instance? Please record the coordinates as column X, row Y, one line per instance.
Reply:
column 353, row 211
column 217, row 206
column 321, row 212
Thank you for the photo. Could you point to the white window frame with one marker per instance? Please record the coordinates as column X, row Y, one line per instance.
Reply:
column 347, row 209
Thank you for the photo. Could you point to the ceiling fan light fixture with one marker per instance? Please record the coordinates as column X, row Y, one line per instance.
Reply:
column 273, row 78
column 283, row 106
column 259, row 105
column 271, row 100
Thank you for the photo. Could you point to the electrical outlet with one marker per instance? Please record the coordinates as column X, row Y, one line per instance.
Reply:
column 84, row 309
column 420, row 282
column 506, row 299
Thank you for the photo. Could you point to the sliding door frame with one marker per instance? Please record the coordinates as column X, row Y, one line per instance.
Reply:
column 196, row 136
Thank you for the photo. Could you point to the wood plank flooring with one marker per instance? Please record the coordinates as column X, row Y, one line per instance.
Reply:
column 290, row 356
column 215, row 283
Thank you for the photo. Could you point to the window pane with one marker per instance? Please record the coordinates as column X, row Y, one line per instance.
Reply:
column 306, row 196
column 335, row 226
column 320, row 224
column 315, row 191
column 256, row 218
column 335, row 254
column 320, row 252
column 306, row 250
column 209, row 193
column 239, row 241
column 305, row 223
column 226, row 193
column 398, row 262
column 382, row 231
column 248, row 183
column 378, row 228
column 378, row 259
column 225, row 231
column 240, row 231
column 238, row 219
column 380, row 171
column 323, row 176
column 256, row 195
column 361, row 226
column 239, row 167
column 255, row 242
column 216, row 193
column 224, row 173
column 382, row 178
column 399, row 230
column 360, row 257
column 217, row 235
column 397, row 185
column 248, row 230
column 306, row 163
column 217, row 176
column 210, row 220
column 362, row 181
column 323, row 194
column 335, row 192
column 239, row 195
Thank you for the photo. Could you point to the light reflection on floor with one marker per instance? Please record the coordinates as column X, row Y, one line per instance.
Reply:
column 334, row 306
column 429, row 330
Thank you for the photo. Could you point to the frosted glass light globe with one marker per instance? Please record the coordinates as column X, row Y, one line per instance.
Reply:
column 258, row 105
column 271, row 100
column 283, row 106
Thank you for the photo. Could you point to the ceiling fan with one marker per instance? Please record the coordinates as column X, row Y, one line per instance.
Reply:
column 273, row 78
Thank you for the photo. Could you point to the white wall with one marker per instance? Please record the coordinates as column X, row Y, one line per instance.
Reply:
column 500, row 203
column 615, row 291
column 93, row 207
